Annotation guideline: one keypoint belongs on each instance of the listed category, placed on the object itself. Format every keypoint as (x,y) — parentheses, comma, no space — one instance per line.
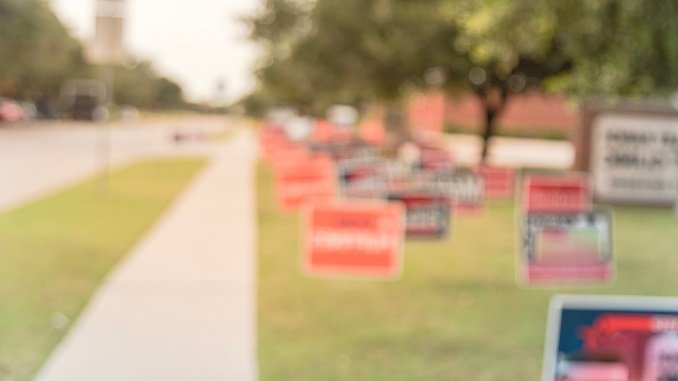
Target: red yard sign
(323,131)
(326,131)
(275,147)
(499,182)
(373,132)
(353,238)
(271,137)
(566,193)
(285,151)
(299,182)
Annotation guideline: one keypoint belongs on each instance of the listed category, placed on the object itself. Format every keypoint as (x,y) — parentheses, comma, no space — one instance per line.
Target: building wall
(528,112)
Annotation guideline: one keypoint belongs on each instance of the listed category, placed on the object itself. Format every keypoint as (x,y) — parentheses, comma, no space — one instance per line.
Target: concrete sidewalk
(513,152)
(181,306)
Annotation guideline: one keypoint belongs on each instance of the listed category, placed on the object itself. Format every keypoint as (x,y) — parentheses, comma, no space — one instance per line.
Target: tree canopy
(38,54)
(351,51)
(36,50)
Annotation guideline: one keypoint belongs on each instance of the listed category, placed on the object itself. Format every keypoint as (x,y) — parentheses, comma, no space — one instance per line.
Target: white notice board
(635,158)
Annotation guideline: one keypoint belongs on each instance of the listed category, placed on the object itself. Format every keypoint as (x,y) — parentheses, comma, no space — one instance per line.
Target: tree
(168,94)
(622,48)
(296,69)
(38,54)
(504,48)
(338,50)
(600,48)
(139,85)
(36,50)
(328,50)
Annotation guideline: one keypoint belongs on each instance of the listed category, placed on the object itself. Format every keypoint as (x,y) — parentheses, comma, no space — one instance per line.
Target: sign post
(107,49)
(108,45)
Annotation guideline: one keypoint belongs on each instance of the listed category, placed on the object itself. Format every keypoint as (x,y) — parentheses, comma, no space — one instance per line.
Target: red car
(10,111)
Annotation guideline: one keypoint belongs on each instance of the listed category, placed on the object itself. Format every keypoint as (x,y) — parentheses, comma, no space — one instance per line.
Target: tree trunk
(492,101)
(488,132)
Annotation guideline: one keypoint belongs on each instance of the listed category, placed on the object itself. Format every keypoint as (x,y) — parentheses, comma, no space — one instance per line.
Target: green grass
(537,132)
(457,313)
(54,253)
(224,135)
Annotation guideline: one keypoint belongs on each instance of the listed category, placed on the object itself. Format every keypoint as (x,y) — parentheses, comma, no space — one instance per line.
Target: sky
(195,42)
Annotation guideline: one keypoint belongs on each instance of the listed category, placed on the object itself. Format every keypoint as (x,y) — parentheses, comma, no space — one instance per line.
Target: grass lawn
(54,253)
(535,132)
(456,314)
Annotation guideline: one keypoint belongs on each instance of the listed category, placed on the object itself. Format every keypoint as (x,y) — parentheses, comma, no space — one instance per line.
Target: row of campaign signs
(358,208)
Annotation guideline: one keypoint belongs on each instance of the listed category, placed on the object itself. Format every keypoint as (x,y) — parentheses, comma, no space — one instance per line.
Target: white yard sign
(635,158)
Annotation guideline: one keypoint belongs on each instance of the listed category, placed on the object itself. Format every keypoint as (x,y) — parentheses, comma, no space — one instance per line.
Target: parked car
(81,98)
(30,110)
(10,111)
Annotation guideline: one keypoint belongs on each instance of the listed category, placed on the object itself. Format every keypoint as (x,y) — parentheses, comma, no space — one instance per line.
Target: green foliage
(356,51)
(379,50)
(337,51)
(510,131)
(36,50)
(168,94)
(634,52)
(38,54)
(344,51)
(139,85)
(55,252)
(601,48)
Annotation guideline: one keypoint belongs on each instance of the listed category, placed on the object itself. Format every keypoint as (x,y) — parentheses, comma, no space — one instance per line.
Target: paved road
(36,160)
(181,306)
